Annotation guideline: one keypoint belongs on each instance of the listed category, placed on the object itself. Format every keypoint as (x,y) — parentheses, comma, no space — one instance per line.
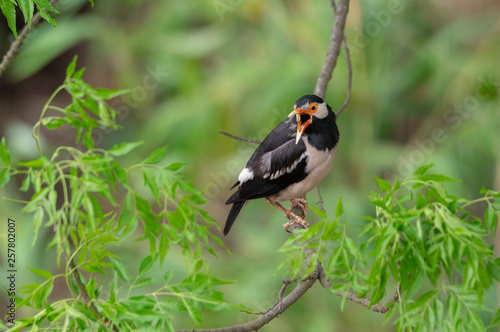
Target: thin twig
(320,200)
(238,138)
(16,45)
(378,307)
(340,15)
(323,280)
(349,77)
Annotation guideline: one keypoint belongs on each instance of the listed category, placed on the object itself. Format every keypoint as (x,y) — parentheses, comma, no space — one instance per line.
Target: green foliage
(27,8)
(423,243)
(424,235)
(91,203)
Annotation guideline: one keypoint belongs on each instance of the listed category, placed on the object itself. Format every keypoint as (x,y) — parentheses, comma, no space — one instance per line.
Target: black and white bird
(293,159)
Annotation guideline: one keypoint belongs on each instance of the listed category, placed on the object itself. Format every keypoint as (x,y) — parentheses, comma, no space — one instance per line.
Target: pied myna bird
(292,160)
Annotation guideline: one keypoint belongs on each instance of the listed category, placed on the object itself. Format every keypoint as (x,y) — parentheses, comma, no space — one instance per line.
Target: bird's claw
(295,220)
(301,203)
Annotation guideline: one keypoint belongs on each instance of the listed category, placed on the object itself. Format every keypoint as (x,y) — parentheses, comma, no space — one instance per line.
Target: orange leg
(294,218)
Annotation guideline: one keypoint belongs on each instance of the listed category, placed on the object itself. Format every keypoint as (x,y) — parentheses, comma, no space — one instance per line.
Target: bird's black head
(309,106)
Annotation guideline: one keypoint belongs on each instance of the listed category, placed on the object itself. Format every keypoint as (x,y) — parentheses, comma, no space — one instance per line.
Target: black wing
(277,163)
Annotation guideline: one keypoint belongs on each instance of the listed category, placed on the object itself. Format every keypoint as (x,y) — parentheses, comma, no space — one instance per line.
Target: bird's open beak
(300,130)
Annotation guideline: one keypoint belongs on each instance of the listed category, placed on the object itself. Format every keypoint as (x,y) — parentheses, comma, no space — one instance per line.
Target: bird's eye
(313,107)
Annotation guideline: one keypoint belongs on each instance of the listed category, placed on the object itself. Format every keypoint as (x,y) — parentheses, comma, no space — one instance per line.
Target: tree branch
(340,15)
(238,137)
(16,45)
(379,307)
(274,311)
(282,304)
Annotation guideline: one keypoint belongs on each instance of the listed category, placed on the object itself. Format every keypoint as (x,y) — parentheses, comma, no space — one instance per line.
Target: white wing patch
(288,169)
(245,175)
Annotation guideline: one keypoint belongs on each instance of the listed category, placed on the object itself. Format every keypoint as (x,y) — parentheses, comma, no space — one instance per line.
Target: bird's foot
(301,203)
(297,220)
(294,219)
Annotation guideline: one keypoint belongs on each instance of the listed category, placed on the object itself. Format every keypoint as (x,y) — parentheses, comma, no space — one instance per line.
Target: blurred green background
(425,89)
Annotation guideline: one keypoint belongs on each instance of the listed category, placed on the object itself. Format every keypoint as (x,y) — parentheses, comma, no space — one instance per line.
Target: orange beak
(300,130)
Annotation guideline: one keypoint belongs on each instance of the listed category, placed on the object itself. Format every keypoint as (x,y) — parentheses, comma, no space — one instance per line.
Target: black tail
(235,210)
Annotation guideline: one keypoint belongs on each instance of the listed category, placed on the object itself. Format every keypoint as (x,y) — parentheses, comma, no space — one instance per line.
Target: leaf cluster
(27,8)
(91,204)
(423,243)
(425,238)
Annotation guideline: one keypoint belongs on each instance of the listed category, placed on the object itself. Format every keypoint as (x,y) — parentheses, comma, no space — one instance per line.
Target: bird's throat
(301,128)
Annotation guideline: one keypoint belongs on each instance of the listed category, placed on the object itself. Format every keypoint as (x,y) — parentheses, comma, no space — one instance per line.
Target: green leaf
(121,149)
(70,70)
(26,183)
(146,264)
(383,184)
(43,294)
(4,152)
(53,122)
(353,249)
(423,169)
(163,246)
(35,163)
(37,222)
(146,214)
(41,273)
(340,208)
(9,11)
(495,321)
(193,313)
(439,309)
(90,288)
(46,4)
(72,312)
(491,219)
(83,254)
(121,175)
(121,270)
(156,156)
(143,282)
(103,113)
(109,93)
(36,200)
(79,73)
(27,7)
(320,213)
(175,166)
(87,140)
(46,16)
(4,177)
(397,185)
(113,289)
(150,180)
(437,178)
(424,298)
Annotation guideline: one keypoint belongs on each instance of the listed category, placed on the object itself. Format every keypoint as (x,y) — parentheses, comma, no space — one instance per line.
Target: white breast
(318,166)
